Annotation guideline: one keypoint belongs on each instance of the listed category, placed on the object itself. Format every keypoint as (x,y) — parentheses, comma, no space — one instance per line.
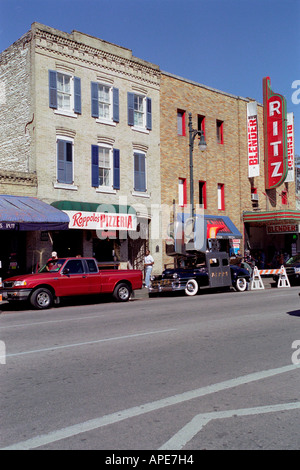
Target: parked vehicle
(67,277)
(292,269)
(209,270)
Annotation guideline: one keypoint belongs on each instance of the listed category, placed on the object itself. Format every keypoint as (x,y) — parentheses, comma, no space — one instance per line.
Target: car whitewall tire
(191,287)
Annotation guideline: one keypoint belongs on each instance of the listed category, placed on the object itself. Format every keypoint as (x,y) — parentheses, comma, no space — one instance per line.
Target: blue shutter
(52,89)
(68,163)
(139,172)
(95,166)
(64,162)
(115,104)
(94,99)
(77,95)
(116,173)
(61,169)
(149,114)
(130,104)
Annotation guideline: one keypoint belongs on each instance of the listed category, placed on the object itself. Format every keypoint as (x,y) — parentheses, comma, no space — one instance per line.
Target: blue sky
(229,45)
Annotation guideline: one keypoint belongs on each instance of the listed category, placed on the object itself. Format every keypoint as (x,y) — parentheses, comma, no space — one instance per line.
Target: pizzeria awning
(92,207)
(30,213)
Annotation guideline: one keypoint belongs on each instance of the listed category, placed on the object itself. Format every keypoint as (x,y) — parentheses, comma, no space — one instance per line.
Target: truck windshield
(52,266)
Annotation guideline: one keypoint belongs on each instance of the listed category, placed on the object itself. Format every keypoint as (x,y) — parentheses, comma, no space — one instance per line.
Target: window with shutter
(139,110)
(140,172)
(64,161)
(64,93)
(105,102)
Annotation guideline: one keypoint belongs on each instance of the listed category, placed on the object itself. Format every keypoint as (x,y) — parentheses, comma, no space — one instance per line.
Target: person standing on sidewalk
(148,264)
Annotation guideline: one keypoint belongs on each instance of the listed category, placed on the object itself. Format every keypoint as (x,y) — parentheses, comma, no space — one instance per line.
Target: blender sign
(275,136)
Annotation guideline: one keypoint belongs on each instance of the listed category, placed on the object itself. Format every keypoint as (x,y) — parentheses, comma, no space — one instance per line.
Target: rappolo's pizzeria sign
(101,221)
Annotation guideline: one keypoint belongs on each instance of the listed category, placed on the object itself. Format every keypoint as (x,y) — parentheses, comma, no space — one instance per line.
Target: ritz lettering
(275,142)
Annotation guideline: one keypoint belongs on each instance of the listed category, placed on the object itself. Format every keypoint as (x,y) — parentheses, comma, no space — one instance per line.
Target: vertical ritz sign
(275,136)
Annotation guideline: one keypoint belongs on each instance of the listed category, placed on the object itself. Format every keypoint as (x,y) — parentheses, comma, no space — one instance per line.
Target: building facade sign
(290,148)
(252,133)
(101,221)
(275,136)
(282,228)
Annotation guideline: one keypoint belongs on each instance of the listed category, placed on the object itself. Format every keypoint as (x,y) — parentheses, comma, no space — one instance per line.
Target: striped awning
(271,216)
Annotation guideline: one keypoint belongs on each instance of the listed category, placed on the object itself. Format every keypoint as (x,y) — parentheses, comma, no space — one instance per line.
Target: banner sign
(275,136)
(101,221)
(290,148)
(282,228)
(253,147)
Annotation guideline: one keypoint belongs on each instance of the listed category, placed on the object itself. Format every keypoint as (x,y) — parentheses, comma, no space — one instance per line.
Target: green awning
(92,207)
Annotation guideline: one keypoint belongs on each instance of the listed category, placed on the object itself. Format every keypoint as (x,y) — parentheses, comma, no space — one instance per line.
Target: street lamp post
(202,146)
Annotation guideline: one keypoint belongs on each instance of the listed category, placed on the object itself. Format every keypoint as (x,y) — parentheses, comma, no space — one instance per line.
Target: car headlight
(175,276)
(20,283)
(297,270)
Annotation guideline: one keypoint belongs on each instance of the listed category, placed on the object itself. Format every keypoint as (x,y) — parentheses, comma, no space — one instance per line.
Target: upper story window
(139,111)
(220,132)
(140,184)
(105,167)
(182,195)
(105,102)
(202,194)
(180,122)
(65,160)
(221,197)
(201,124)
(64,93)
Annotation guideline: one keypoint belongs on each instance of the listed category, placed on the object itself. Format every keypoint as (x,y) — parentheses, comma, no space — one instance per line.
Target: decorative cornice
(18,177)
(68,48)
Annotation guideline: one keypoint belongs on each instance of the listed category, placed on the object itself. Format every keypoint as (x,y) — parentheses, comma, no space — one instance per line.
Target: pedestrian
(52,261)
(148,264)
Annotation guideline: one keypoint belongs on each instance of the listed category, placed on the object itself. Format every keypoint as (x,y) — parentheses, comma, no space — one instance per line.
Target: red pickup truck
(67,277)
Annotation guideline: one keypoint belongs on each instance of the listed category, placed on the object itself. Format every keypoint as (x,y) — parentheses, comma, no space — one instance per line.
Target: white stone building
(80,131)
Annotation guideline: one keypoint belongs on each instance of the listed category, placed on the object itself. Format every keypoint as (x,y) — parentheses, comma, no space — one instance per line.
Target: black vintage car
(211,270)
(292,269)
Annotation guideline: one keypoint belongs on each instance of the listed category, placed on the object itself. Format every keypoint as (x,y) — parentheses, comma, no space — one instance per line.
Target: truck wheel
(122,292)
(191,287)
(241,284)
(41,298)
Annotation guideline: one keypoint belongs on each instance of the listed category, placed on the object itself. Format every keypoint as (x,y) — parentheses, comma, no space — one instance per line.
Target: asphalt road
(215,371)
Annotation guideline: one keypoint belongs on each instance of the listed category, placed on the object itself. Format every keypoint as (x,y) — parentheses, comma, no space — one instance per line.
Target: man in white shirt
(148,263)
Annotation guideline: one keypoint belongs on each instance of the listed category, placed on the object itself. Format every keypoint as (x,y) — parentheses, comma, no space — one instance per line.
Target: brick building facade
(221,182)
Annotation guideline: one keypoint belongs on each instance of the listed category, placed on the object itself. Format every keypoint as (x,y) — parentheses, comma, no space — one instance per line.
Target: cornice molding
(97,58)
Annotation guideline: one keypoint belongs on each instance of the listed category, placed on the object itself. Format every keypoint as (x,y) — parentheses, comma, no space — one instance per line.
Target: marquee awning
(265,217)
(92,207)
(30,213)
